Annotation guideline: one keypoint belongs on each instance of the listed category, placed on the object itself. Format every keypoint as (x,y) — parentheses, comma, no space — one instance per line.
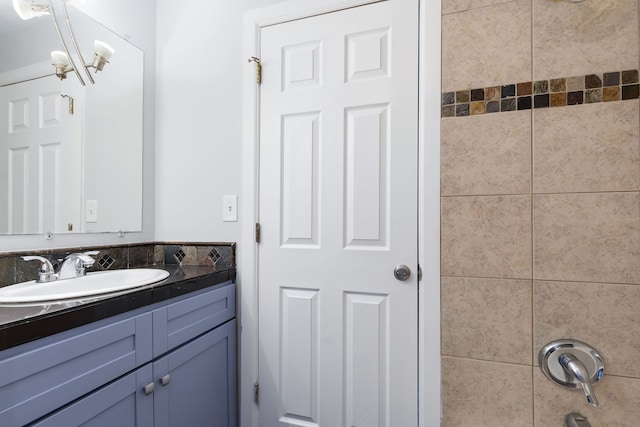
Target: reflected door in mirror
(40,157)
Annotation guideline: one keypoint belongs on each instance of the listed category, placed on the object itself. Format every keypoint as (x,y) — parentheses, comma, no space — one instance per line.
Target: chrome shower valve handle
(575,368)
(572,364)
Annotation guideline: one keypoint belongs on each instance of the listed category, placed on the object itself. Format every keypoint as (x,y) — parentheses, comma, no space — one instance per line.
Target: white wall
(137,21)
(199,115)
(30,43)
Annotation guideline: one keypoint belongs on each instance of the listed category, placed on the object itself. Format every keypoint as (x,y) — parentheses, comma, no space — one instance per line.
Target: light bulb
(102,54)
(102,49)
(59,58)
(27,9)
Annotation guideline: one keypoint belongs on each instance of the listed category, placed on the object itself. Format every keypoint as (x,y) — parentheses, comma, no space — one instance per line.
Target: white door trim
(430,411)
(429,201)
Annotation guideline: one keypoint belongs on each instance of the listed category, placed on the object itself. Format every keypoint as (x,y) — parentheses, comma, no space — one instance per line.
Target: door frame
(428,201)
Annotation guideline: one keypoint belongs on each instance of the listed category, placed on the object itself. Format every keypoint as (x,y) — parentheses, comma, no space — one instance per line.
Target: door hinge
(71,102)
(258,69)
(256,392)
(257,232)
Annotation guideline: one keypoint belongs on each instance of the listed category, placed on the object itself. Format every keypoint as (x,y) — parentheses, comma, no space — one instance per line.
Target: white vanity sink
(91,285)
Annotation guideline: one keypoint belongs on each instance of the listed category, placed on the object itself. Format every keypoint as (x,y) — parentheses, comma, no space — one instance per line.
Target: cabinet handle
(148,389)
(165,380)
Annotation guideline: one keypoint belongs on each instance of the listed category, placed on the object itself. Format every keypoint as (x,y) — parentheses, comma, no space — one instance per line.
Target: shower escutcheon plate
(549,360)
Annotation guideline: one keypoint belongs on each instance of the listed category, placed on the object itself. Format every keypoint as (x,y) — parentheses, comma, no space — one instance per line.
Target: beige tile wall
(540,215)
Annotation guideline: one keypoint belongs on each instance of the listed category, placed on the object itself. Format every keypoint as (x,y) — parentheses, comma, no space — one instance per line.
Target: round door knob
(402,272)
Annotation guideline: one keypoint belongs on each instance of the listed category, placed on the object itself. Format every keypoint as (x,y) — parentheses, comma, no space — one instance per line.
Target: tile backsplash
(201,254)
(221,255)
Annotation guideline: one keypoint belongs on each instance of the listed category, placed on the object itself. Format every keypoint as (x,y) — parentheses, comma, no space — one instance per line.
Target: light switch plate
(92,211)
(230,208)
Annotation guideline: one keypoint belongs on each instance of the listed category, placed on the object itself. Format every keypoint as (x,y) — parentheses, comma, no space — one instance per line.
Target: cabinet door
(200,382)
(122,403)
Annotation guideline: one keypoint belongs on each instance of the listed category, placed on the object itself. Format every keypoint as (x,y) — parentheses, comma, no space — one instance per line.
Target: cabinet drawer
(182,321)
(36,382)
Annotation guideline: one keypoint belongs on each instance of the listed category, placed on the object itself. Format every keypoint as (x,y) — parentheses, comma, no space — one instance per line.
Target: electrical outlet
(230,208)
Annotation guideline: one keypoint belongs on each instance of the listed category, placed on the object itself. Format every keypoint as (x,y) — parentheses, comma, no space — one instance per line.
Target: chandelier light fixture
(62,60)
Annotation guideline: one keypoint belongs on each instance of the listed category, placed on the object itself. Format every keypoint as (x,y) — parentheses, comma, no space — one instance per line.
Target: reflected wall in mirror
(70,155)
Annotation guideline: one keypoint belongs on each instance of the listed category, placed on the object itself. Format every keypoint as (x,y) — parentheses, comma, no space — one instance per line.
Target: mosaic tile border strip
(592,88)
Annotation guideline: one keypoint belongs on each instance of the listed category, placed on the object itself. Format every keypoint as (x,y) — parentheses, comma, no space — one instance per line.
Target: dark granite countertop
(20,324)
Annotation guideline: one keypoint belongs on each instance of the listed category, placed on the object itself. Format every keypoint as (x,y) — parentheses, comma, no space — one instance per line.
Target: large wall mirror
(70,154)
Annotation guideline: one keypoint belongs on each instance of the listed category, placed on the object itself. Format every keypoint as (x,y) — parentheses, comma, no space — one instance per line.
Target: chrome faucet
(74,265)
(576,369)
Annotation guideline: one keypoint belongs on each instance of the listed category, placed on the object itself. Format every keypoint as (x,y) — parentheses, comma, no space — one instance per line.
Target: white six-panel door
(40,155)
(338,211)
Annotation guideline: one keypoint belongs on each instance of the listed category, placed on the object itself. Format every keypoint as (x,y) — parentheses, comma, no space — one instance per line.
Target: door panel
(367,177)
(367,339)
(299,351)
(300,202)
(338,210)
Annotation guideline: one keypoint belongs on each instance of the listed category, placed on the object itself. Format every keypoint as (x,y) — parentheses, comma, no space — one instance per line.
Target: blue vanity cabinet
(187,377)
